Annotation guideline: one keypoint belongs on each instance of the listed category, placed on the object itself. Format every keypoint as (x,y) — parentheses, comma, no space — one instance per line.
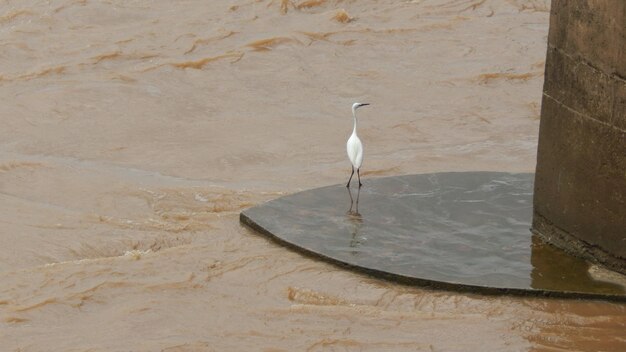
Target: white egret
(355,147)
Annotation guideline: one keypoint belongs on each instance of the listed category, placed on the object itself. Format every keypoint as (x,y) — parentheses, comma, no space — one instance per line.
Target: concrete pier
(580,185)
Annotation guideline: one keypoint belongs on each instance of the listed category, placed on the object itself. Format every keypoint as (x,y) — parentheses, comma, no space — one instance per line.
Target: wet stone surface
(463,231)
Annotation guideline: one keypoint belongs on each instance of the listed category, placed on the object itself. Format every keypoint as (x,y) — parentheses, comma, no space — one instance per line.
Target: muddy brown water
(134,132)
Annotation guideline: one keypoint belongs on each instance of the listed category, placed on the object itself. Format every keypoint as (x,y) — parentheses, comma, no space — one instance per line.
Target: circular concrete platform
(466,231)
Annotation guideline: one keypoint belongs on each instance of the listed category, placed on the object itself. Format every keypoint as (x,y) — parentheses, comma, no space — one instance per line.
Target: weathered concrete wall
(580,185)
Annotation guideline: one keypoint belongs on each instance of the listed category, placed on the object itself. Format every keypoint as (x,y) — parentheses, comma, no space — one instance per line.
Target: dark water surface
(463,230)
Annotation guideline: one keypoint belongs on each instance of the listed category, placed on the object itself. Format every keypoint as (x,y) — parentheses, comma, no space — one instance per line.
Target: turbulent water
(133,133)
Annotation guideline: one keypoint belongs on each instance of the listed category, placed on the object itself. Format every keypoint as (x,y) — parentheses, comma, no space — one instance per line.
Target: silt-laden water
(134,132)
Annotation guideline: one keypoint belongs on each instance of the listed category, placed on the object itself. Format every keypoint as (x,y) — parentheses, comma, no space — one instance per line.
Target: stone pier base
(580,184)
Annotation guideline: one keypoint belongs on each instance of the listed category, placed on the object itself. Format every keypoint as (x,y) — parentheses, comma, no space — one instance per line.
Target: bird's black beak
(365,104)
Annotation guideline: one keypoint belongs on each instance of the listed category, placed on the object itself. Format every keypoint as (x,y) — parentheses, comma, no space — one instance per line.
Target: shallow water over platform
(458,230)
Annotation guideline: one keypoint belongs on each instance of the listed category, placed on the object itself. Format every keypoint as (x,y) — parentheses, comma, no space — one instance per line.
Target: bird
(354,147)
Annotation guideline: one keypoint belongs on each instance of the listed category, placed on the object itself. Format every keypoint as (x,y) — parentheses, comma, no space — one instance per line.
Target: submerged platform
(464,231)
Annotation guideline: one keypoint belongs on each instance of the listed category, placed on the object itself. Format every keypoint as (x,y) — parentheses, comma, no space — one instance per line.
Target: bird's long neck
(354,115)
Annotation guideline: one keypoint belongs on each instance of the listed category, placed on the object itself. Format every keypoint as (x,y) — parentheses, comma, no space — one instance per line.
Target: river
(134,132)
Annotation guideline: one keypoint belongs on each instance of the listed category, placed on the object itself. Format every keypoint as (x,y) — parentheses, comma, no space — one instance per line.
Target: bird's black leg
(348,185)
(359,175)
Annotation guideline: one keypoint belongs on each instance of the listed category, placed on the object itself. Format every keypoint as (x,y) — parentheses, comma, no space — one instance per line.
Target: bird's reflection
(355,218)
(354,212)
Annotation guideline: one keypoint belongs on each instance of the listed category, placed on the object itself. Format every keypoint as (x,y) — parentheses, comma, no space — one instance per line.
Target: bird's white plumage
(354,147)
(355,150)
